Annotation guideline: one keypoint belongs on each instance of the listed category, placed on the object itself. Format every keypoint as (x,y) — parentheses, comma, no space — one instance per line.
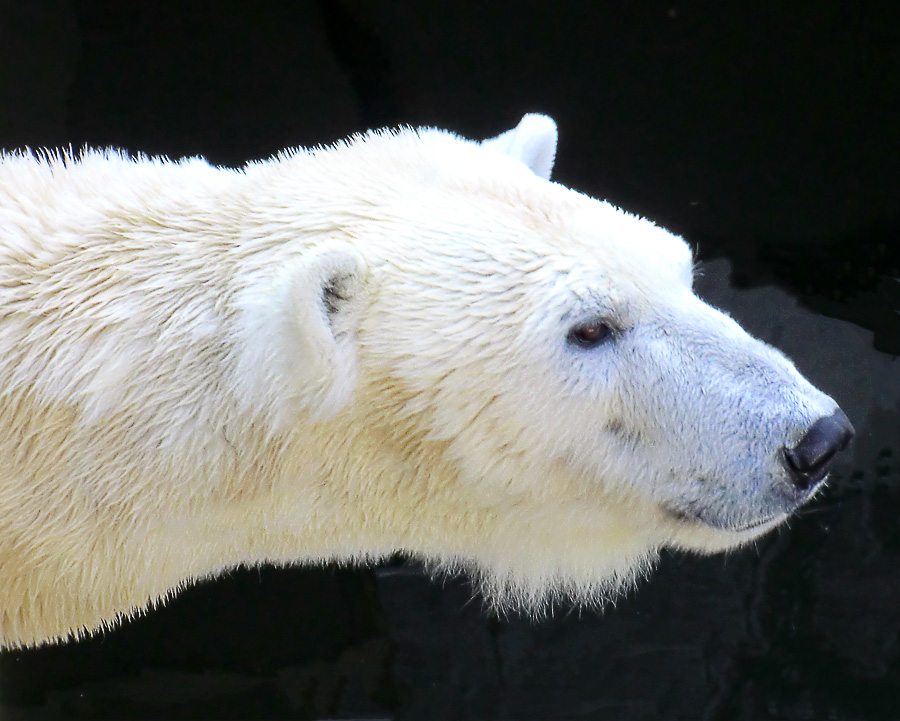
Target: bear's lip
(771,520)
(694,516)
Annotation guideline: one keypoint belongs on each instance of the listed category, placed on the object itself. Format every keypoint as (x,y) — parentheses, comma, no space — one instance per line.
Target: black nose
(810,460)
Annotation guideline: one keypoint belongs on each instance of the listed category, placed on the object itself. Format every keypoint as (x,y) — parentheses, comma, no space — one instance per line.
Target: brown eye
(589,335)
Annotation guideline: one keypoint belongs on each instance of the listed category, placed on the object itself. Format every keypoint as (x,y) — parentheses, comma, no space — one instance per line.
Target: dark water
(768,137)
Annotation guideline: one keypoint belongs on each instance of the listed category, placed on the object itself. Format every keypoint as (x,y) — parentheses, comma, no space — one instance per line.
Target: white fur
(345,353)
(289,353)
(532,141)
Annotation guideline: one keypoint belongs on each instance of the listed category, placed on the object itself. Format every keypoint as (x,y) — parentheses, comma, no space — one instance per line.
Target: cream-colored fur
(337,355)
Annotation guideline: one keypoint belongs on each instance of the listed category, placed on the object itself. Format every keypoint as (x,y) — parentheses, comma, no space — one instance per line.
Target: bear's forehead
(596,243)
(630,247)
(559,220)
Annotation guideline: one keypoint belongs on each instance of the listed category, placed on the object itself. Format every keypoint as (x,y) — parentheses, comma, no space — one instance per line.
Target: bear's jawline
(697,517)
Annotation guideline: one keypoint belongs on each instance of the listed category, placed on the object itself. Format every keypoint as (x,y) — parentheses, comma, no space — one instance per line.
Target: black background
(764,133)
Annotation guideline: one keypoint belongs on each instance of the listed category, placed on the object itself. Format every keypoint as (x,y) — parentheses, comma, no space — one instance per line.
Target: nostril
(809,461)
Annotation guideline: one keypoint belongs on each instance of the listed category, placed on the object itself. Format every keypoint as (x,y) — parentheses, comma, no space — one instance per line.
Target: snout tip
(810,460)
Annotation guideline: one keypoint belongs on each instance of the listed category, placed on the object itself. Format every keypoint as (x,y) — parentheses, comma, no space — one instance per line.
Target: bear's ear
(533,141)
(299,347)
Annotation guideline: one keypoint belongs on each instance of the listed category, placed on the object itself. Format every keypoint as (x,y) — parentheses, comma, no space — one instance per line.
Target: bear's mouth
(694,516)
(770,520)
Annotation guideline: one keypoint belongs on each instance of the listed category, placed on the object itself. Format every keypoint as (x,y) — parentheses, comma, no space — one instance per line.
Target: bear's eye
(589,335)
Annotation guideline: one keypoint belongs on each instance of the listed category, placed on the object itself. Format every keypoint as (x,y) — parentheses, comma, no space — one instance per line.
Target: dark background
(765,133)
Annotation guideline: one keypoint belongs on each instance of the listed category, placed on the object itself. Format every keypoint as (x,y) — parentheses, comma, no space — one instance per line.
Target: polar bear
(407,342)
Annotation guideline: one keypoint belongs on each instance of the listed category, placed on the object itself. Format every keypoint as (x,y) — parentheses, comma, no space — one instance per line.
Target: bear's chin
(695,534)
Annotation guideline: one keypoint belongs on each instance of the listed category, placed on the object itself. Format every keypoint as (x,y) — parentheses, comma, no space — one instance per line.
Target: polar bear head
(550,400)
